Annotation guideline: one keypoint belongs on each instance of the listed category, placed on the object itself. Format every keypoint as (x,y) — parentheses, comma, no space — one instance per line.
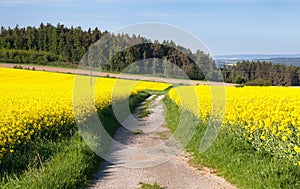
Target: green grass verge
(164,92)
(144,110)
(72,166)
(155,185)
(235,159)
(64,163)
(138,132)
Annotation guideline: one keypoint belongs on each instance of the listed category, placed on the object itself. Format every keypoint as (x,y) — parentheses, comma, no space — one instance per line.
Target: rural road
(151,155)
(116,75)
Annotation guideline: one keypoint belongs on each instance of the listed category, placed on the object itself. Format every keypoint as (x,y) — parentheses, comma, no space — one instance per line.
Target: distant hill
(285,59)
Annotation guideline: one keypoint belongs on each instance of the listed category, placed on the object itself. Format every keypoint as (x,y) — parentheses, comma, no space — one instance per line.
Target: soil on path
(149,154)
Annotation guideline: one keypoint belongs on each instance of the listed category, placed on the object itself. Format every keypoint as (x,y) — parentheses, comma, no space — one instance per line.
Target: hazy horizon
(254,54)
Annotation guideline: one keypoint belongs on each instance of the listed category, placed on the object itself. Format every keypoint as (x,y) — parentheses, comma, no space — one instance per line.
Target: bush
(24,56)
(259,82)
(17,67)
(240,80)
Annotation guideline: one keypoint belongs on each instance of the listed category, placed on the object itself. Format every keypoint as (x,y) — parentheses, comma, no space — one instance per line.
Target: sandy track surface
(152,156)
(123,75)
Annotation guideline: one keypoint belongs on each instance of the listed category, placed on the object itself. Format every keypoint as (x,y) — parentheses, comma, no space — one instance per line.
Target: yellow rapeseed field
(37,105)
(268,117)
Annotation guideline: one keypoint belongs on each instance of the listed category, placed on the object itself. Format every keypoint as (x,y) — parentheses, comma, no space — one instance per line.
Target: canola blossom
(36,105)
(267,117)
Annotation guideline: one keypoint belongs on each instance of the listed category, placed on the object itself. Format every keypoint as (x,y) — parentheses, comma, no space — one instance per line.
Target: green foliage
(144,110)
(144,113)
(155,185)
(70,165)
(262,74)
(48,44)
(259,82)
(235,159)
(239,80)
(18,67)
(240,85)
(62,43)
(163,60)
(138,131)
(24,56)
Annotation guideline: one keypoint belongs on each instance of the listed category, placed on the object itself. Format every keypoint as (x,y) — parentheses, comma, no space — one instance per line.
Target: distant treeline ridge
(54,45)
(262,73)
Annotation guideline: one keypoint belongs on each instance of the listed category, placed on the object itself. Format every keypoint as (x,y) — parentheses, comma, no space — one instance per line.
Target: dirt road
(116,75)
(151,155)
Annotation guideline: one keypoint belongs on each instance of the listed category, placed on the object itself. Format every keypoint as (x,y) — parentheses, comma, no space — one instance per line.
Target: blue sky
(225,26)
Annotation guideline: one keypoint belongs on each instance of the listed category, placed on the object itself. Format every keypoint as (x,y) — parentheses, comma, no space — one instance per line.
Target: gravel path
(151,155)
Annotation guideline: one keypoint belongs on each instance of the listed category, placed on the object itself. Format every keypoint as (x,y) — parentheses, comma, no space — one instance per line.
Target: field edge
(233,158)
(72,165)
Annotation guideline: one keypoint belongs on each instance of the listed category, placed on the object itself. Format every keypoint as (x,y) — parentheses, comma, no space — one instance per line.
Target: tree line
(261,73)
(136,54)
(50,44)
(60,42)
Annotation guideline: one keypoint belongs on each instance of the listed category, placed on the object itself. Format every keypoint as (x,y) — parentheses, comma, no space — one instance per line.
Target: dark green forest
(49,45)
(45,44)
(262,74)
